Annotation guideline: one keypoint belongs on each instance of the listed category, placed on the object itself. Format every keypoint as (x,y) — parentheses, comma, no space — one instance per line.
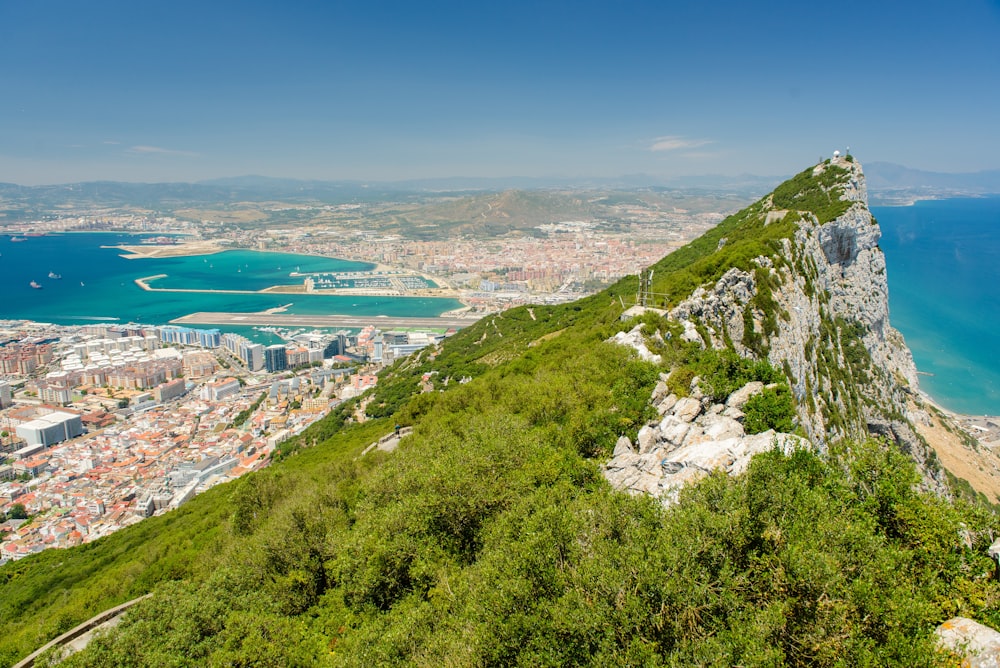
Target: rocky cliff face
(818,309)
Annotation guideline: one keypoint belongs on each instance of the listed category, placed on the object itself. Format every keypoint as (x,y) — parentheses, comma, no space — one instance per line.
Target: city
(104,425)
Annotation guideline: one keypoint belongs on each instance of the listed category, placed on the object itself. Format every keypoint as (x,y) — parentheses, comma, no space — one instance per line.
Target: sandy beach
(984,428)
(967,445)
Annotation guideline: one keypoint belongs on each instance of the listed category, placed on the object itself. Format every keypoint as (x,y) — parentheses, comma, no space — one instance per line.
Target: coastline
(194,249)
(984,428)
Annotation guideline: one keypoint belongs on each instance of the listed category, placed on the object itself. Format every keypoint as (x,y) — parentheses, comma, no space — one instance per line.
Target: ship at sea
(35,285)
(53,274)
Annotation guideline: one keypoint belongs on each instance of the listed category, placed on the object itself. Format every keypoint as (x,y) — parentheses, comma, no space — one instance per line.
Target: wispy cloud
(157,150)
(110,142)
(676,142)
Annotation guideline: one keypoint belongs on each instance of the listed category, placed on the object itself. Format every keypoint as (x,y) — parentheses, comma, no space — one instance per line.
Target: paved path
(389,442)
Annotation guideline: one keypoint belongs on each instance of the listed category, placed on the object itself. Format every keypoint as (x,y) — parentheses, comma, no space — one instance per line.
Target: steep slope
(814,301)
(490,536)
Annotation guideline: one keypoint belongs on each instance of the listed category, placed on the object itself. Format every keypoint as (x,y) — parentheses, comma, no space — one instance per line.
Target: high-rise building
(252,355)
(275,358)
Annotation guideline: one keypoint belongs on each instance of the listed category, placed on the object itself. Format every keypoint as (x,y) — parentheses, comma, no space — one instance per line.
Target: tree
(18,512)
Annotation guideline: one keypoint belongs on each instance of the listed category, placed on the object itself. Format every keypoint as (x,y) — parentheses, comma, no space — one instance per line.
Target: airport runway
(288,320)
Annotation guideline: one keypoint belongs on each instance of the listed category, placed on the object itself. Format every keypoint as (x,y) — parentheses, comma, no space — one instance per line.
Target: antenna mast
(645,297)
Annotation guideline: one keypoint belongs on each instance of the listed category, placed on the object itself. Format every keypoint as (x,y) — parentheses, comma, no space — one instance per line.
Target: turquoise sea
(943,264)
(96,284)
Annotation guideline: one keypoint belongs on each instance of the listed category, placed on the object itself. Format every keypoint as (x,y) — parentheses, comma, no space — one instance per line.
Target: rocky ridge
(827,326)
(815,307)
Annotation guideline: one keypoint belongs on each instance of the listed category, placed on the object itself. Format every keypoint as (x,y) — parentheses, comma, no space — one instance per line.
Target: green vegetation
(489,546)
(817,193)
(735,242)
(490,537)
(748,234)
(771,409)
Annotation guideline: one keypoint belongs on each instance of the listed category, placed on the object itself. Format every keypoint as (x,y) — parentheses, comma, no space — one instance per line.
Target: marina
(98,282)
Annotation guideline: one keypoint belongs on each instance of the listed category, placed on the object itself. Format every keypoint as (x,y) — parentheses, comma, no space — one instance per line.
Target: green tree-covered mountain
(492,536)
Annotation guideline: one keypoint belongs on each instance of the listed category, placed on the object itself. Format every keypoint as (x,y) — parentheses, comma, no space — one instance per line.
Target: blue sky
(181,91)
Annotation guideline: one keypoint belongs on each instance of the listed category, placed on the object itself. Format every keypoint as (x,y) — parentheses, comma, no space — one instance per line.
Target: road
(288,320)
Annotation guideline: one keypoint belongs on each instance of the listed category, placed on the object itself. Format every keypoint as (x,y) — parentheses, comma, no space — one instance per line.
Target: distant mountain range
(458,184)
(887,182)
(881,176)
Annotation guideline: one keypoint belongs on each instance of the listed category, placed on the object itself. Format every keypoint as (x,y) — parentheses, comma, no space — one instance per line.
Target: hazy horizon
(185,91)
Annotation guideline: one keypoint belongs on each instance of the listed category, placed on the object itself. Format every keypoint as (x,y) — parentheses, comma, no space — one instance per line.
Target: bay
(943,265)
(96,284)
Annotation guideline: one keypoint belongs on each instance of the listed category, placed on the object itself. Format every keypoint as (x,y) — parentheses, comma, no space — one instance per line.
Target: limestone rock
(687,409)
(666,404)
(623,447)
(977,644)
(673,430)
(646,439)
(994,550)
(719,427)
(919,416)
(832,274)
(659,392)
(734,413)
(690,332)
(635,340)
(694,436)
(739,398)
(695,388)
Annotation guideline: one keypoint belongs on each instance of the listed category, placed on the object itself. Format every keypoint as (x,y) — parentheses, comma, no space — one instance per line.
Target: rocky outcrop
(977,645)
(692,438)
(827,326)
(636,341)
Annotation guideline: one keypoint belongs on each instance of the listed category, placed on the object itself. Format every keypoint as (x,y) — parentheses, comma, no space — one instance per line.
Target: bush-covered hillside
(490,537)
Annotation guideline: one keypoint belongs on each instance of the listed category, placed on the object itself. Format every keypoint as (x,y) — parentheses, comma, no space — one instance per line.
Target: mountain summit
(798,280)
(816,304)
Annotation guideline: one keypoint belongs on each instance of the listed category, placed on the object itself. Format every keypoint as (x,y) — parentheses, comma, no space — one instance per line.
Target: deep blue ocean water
(943,264)
(97,284)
